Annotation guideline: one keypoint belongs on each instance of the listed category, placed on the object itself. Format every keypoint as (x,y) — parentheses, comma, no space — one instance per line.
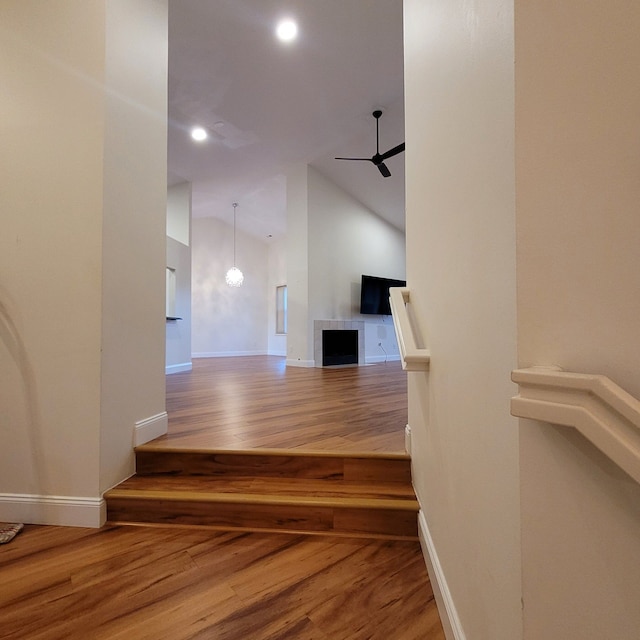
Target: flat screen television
(374,295)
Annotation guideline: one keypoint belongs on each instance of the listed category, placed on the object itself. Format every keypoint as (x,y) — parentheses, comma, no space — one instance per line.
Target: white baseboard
(177,368)
(446,607)
(301,363)
(376,359)
(63,511)
(150,428)
(227,354)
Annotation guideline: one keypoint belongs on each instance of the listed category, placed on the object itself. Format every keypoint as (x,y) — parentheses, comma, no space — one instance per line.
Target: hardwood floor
(235,424)
(152,583)
(184,582)
(257,402)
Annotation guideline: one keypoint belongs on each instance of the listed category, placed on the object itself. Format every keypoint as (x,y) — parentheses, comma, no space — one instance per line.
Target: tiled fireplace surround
(336,325)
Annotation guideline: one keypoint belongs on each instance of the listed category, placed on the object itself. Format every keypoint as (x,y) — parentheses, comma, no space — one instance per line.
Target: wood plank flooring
(257,402)
(237,423)
(146,583)
(192,583)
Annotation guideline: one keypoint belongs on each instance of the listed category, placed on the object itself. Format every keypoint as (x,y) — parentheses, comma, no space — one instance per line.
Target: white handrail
(414,358)
(598,408)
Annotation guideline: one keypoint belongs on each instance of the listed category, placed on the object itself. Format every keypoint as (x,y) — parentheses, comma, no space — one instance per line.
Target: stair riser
(273,466)
(328,520)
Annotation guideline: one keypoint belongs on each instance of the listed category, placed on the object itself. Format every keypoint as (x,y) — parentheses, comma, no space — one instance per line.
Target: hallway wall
(460,191)
(510,508)
(81,249)
(578,222)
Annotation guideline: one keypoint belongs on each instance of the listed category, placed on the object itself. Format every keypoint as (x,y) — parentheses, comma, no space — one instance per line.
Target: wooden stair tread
(298,487)
(317,493)
(158,447)
(261,498)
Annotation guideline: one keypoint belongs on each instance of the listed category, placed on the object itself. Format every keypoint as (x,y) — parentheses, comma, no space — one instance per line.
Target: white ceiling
(268,105)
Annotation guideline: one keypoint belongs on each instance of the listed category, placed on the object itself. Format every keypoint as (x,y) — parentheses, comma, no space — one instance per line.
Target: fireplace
(338,354)
(339,346)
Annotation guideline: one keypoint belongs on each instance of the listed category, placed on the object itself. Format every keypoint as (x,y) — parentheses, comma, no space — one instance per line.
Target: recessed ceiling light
(287,30)
(199,134)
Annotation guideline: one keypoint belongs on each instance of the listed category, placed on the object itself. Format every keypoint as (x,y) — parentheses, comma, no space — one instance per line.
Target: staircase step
(364,495)
(271,486)
(368,517)
(365,467)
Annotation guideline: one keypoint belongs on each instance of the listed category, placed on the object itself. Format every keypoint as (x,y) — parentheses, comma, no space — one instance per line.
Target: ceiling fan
(379,158)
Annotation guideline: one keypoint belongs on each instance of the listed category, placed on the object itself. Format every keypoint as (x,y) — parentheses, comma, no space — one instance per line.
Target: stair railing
(414,357)
(599,409)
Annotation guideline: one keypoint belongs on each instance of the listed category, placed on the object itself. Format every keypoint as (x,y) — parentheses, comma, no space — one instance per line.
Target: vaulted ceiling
(267,105)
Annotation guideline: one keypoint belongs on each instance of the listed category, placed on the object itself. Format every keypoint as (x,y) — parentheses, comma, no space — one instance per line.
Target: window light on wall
(281,309)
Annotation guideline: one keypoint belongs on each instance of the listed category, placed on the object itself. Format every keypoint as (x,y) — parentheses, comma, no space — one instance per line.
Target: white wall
(277,256)
(347,240)
(331,241)
(577,230)
(341,240)
(80,251)
(226,320)
(578,168)
(50,249)
(134,223)
(300,334)
(460,195)
(178,332)
(179,212)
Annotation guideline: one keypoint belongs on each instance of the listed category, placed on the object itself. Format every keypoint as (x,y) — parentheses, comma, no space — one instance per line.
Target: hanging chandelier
(234,276)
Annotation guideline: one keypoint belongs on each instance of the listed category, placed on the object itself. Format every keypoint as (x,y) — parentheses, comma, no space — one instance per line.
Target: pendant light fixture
(234,276)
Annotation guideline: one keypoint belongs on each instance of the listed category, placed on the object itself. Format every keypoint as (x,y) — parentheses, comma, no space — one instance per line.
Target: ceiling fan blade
(384,170)
(378,159)
(393,152)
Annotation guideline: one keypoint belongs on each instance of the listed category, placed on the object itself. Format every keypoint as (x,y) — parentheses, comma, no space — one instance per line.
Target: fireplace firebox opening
(339,347)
